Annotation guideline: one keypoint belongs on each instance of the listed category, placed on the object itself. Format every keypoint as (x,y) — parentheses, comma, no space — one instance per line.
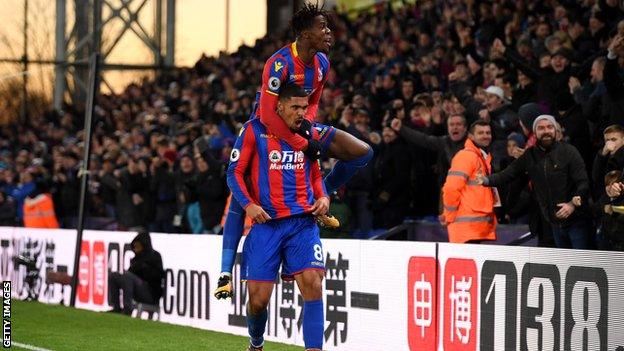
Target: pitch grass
(62,328)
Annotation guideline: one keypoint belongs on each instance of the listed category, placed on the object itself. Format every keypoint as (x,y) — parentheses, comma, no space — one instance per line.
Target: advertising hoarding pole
(83,172)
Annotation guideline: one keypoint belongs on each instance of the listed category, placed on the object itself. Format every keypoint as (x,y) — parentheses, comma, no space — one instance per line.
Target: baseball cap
(493,89)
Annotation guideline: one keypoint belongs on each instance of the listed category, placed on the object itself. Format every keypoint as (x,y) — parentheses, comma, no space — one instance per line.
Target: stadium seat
(141,307)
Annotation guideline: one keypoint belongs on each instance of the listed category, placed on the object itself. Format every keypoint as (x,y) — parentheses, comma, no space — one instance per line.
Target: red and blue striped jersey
(285,66)
(282,181)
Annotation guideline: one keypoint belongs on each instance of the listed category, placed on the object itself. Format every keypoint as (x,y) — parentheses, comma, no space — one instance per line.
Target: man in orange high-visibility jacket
(468,206)
(39,211)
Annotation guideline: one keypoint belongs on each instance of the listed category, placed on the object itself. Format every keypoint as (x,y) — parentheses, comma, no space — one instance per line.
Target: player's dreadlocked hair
(304,18)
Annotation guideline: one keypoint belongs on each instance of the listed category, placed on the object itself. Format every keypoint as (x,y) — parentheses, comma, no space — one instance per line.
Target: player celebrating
(285,192)
(303,63)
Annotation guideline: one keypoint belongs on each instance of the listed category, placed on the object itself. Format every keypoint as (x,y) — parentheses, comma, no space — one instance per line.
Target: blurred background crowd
(160,148)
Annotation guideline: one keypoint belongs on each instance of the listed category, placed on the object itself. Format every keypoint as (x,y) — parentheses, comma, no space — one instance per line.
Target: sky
(200,28)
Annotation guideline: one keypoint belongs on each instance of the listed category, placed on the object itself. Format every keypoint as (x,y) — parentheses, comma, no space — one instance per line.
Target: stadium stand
(160,147)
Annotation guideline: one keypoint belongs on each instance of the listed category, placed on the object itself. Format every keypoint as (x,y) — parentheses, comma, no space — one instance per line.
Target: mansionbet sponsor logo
(492,315)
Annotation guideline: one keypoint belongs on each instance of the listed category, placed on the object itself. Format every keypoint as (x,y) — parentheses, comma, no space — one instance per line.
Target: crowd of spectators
(161,146)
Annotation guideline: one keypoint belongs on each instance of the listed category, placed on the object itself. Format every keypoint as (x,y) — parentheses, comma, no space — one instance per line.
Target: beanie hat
(549,118)
(518,138)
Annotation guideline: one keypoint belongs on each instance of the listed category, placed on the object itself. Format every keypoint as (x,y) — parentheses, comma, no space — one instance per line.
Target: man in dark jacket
(446,146)
(68,185)
(7,210)
(392,180)
(559,180)
(162,185)
(142,282)
(609,158)
(360,187)
(593,98)
(613,81)
(131,186)
(212,190)
(575,128)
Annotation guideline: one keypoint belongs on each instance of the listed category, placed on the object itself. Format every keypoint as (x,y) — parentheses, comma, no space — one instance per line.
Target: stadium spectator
(612,221)
(446,146)
(68,189)
(574,126)
(391,179)
(528,113)
(39,209)
(131,187)
(211,191)
(19,190)
(558,174)
(7,211)
(106,189)
(186,190)
(142,282)
(609,158)
(614,86)
(591,96)
(469,208)
(162,186)
(360,187)
(515,196)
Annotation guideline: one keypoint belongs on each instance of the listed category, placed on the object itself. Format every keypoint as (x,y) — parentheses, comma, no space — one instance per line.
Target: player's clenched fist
(256,213)
(321,206)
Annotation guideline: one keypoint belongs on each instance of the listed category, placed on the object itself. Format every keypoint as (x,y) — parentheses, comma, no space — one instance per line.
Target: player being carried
(284,194)
(305,64)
